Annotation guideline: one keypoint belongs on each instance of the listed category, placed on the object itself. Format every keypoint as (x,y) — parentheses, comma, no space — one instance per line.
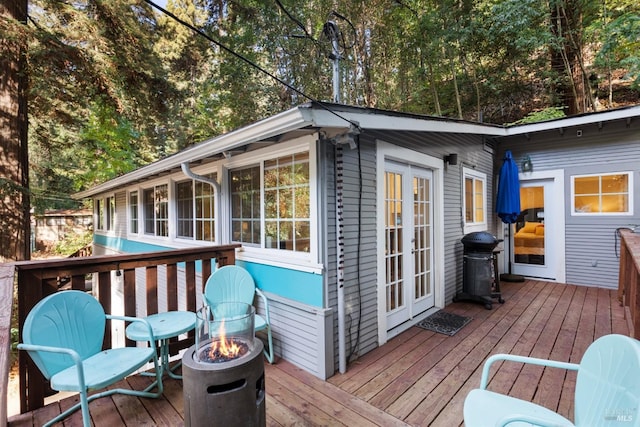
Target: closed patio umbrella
(508,203)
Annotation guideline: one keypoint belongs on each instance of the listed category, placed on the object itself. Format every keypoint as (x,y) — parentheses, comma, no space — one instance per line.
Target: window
(474,202)
(605,194)
(110,206)
(205,210)
(286,193)
(99,213)
(156,210)
(245,205)
(133,212)
(184,209)
(195,206)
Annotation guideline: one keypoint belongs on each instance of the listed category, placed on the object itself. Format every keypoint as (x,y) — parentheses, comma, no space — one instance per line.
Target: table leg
(163,362)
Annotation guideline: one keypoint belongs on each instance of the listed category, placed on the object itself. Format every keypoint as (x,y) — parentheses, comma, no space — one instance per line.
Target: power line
(248,61)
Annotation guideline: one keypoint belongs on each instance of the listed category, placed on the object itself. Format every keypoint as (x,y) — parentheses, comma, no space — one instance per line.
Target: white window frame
(98,213)
(274,256)
(110,213)
(630,192)
(138,194)
(473,226)
(167,220)
(195,220)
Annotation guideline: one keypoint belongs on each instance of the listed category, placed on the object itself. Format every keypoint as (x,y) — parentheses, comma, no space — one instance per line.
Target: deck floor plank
(419,377)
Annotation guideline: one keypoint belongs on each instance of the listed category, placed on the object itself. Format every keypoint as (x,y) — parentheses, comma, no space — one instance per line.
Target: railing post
(30,377)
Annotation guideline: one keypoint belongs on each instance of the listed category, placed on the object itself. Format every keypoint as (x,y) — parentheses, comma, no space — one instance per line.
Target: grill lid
(480,240)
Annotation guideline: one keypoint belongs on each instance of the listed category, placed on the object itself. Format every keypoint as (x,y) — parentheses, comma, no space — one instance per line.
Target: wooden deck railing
(629,279)
(37,279)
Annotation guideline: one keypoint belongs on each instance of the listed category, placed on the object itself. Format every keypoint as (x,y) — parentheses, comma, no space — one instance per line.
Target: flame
(224,347)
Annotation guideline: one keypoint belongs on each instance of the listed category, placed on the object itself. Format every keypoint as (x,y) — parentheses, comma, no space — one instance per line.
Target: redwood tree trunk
(14,159)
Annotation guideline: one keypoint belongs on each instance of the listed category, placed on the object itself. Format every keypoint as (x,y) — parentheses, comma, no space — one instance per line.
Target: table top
(165,325)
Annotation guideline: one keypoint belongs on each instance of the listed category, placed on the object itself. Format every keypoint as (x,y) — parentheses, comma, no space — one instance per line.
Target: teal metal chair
(232,283)
(607,390)
(63,335)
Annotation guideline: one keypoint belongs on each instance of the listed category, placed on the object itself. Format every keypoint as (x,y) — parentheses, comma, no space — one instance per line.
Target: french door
(408,231)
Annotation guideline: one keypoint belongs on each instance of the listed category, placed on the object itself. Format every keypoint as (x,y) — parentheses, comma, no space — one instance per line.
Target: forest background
(113,85)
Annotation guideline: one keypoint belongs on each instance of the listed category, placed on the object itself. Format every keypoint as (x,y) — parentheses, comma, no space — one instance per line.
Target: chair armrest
(504,422)
(70,352)
(522,359)
(152,339)
(266,305)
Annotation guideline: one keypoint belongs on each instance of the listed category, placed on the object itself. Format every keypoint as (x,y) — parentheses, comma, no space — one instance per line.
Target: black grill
(479,270)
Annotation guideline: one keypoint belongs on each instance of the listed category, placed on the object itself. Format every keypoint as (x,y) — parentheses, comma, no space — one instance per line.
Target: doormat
(444,323)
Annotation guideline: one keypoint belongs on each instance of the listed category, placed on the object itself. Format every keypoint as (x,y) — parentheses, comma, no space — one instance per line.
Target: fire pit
(223,373)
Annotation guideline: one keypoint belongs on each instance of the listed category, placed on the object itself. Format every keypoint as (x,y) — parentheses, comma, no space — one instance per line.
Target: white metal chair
(607,390)
(232,283)
(63,334)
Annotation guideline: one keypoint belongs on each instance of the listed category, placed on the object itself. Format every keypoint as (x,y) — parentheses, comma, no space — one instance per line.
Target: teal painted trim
(307,288)
(131,247)
(127,246)
(296,285)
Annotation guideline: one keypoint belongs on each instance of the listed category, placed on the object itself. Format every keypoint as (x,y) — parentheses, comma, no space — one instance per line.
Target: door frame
(387,151)
(558,239)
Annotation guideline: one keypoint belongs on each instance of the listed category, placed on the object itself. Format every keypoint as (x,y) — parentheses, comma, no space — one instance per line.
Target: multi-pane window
(184,209)
(133,212)
(110,210)
(286,196)
(205,211)
(602,194)
(195,206)
(99,213)
(475,195)
(155,204)
(286,203)
(245,205)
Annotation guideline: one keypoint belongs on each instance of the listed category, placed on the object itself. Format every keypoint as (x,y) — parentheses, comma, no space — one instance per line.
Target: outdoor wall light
(451,159)
(527,166)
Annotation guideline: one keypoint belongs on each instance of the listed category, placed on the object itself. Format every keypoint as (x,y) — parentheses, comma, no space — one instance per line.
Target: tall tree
(14,163)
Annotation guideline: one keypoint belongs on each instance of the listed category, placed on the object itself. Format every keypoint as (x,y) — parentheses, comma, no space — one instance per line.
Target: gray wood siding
(471,154)
(361,262)
(590,254)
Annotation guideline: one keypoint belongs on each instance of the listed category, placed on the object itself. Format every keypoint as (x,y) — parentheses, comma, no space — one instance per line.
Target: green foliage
(109,142)
(550,113)
(115,84)
(72,242)
(621,48)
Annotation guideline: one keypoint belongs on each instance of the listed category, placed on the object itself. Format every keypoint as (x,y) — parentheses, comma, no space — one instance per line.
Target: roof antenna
(330,30)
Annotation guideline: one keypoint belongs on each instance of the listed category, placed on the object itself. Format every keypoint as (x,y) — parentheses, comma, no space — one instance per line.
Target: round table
(165,326)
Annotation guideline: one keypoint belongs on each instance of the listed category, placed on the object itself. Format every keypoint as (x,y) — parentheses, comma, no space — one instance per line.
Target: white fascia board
(293,119)
(323,118)
(589,118)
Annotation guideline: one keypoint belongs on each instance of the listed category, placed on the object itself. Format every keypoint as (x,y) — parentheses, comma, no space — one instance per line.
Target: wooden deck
(418,378)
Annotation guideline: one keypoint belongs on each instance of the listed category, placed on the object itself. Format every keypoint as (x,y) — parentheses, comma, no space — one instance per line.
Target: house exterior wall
(360,215)
(591,242)
(301,319)
(473,152)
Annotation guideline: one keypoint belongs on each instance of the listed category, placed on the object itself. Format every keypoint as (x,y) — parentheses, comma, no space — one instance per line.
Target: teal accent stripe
(295,285)
(127,246)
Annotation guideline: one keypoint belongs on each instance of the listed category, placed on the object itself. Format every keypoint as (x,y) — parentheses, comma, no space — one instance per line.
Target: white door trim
(387,151)
(557,198)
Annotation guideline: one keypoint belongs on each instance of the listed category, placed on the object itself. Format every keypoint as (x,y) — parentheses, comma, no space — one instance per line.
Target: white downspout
(188,172)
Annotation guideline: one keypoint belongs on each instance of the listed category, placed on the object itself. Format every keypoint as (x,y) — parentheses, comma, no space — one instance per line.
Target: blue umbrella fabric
(508,198)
